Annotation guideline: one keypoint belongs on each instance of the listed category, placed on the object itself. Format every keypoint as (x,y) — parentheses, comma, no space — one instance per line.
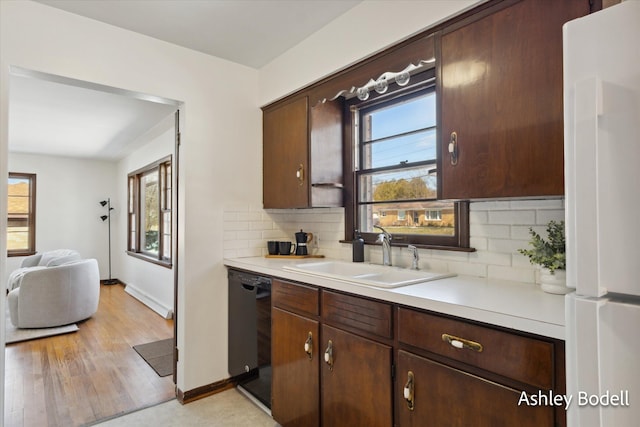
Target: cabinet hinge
(175,353)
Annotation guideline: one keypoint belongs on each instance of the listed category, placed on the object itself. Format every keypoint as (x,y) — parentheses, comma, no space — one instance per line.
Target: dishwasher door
(249,330)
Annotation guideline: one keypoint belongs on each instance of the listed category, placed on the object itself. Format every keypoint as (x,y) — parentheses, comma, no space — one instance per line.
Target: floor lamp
(107,218)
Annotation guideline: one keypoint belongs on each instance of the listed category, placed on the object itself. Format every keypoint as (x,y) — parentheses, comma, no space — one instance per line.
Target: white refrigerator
(602,209)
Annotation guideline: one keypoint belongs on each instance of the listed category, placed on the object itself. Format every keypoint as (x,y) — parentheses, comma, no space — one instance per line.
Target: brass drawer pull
(408,391)
(308,346)
(453,148)
(328,355)
(458,342)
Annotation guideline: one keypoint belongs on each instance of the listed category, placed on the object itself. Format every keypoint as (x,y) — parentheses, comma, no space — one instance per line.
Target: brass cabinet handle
(308,346)
(300,174)
(409,394)
(458,342)
(453,148)
(328,355)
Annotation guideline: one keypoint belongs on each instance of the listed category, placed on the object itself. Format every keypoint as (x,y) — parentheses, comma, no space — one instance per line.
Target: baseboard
(149,301)
(204,391)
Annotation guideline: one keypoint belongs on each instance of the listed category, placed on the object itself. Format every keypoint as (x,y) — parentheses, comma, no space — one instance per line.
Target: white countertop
(518,306)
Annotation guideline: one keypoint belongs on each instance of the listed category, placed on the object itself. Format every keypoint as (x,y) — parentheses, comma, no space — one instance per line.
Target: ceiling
(56,116)
(249,32)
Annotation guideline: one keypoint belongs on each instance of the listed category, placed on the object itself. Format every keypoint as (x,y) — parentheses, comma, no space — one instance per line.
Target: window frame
(424,81)
(31,215)
(134,209)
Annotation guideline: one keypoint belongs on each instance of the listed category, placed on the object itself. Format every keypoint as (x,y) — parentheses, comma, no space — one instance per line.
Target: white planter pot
(553,283)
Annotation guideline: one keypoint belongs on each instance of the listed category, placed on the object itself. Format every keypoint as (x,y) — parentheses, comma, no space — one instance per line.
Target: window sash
(21,215)
(152,243)
(360,198)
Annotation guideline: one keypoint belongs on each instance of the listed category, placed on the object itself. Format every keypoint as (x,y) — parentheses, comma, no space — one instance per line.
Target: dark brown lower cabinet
(356,381)
(439,395)
(296,371)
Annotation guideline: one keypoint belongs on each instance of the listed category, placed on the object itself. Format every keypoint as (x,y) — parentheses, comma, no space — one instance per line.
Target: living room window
(21,209)
(149,212)
(395,170)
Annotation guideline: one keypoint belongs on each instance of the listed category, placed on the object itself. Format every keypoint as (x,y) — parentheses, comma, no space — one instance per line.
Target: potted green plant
(550,256)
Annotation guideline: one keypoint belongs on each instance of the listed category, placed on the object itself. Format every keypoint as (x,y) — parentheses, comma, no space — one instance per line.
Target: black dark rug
(158,354)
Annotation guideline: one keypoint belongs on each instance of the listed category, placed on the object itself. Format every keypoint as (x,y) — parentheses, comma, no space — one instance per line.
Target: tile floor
(226,409)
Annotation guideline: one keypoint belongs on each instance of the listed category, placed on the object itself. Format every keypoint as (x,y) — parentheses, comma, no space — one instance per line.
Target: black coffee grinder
(302,239)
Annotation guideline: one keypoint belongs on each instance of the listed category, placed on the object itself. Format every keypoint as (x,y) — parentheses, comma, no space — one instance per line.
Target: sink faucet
(416,258)
(385,238)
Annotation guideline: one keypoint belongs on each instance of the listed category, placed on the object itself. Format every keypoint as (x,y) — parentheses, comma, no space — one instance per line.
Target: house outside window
(395,164)
(21,209)
(433,215)
(149,212)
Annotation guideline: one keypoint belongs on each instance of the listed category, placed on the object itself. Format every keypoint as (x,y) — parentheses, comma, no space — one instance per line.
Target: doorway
(45,97)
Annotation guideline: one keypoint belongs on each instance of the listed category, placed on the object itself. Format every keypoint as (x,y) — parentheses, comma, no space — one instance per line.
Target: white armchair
(55,296)
(39,261)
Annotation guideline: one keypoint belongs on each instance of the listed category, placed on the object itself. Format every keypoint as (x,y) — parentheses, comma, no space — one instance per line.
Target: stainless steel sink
(367,274)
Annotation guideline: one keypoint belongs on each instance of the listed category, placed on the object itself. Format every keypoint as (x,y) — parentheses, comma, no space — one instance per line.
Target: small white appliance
(602,206)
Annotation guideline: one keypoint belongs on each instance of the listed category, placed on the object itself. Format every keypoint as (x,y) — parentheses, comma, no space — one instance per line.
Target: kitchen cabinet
(499,80)
(357,373)
(343,359)
(302,154)
(457,373)
(296,380)
(295,360)
(442,395)
(343,375)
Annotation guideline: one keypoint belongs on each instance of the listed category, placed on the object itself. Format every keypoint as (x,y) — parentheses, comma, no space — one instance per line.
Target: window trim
(460,240)
(134,209)
(31,219)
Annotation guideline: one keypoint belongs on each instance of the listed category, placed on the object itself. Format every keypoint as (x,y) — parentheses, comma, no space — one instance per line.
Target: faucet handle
(416,257)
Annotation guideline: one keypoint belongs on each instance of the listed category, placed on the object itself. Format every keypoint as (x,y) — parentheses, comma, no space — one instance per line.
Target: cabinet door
(443,396)
(501,93)
(356,381)
(285,155)
(295,387)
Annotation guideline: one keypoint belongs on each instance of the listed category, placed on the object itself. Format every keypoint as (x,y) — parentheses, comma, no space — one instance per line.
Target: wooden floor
(89,375)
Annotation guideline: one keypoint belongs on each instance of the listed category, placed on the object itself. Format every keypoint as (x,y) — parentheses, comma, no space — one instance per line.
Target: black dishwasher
(250,333)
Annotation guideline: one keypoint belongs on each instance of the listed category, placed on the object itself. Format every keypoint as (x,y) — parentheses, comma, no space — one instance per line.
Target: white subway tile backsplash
(511,217)
(537,204)
(489,206)
(498,229)
(505,245)
(478,217)
(544,216)
(479,243)
(487,230)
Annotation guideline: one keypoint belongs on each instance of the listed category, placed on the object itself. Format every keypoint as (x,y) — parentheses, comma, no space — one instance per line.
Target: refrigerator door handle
(585,258)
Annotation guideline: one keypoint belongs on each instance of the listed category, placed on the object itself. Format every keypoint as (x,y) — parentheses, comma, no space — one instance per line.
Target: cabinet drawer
(523,359)
(357,314)
(300,299)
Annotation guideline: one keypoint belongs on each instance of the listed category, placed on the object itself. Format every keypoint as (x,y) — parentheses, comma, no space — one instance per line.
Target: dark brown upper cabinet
(302,154)
(500,85)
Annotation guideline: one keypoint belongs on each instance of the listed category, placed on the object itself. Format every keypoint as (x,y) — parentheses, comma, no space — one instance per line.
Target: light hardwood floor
(93,374)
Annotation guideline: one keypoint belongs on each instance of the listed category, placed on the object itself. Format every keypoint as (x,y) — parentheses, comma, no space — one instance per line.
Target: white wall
(151,283)
(68,192)
(220,155)
(363,30)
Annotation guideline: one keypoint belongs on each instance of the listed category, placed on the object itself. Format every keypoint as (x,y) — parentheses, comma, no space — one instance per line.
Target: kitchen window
(21,209)
(149,212)
(395,170)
